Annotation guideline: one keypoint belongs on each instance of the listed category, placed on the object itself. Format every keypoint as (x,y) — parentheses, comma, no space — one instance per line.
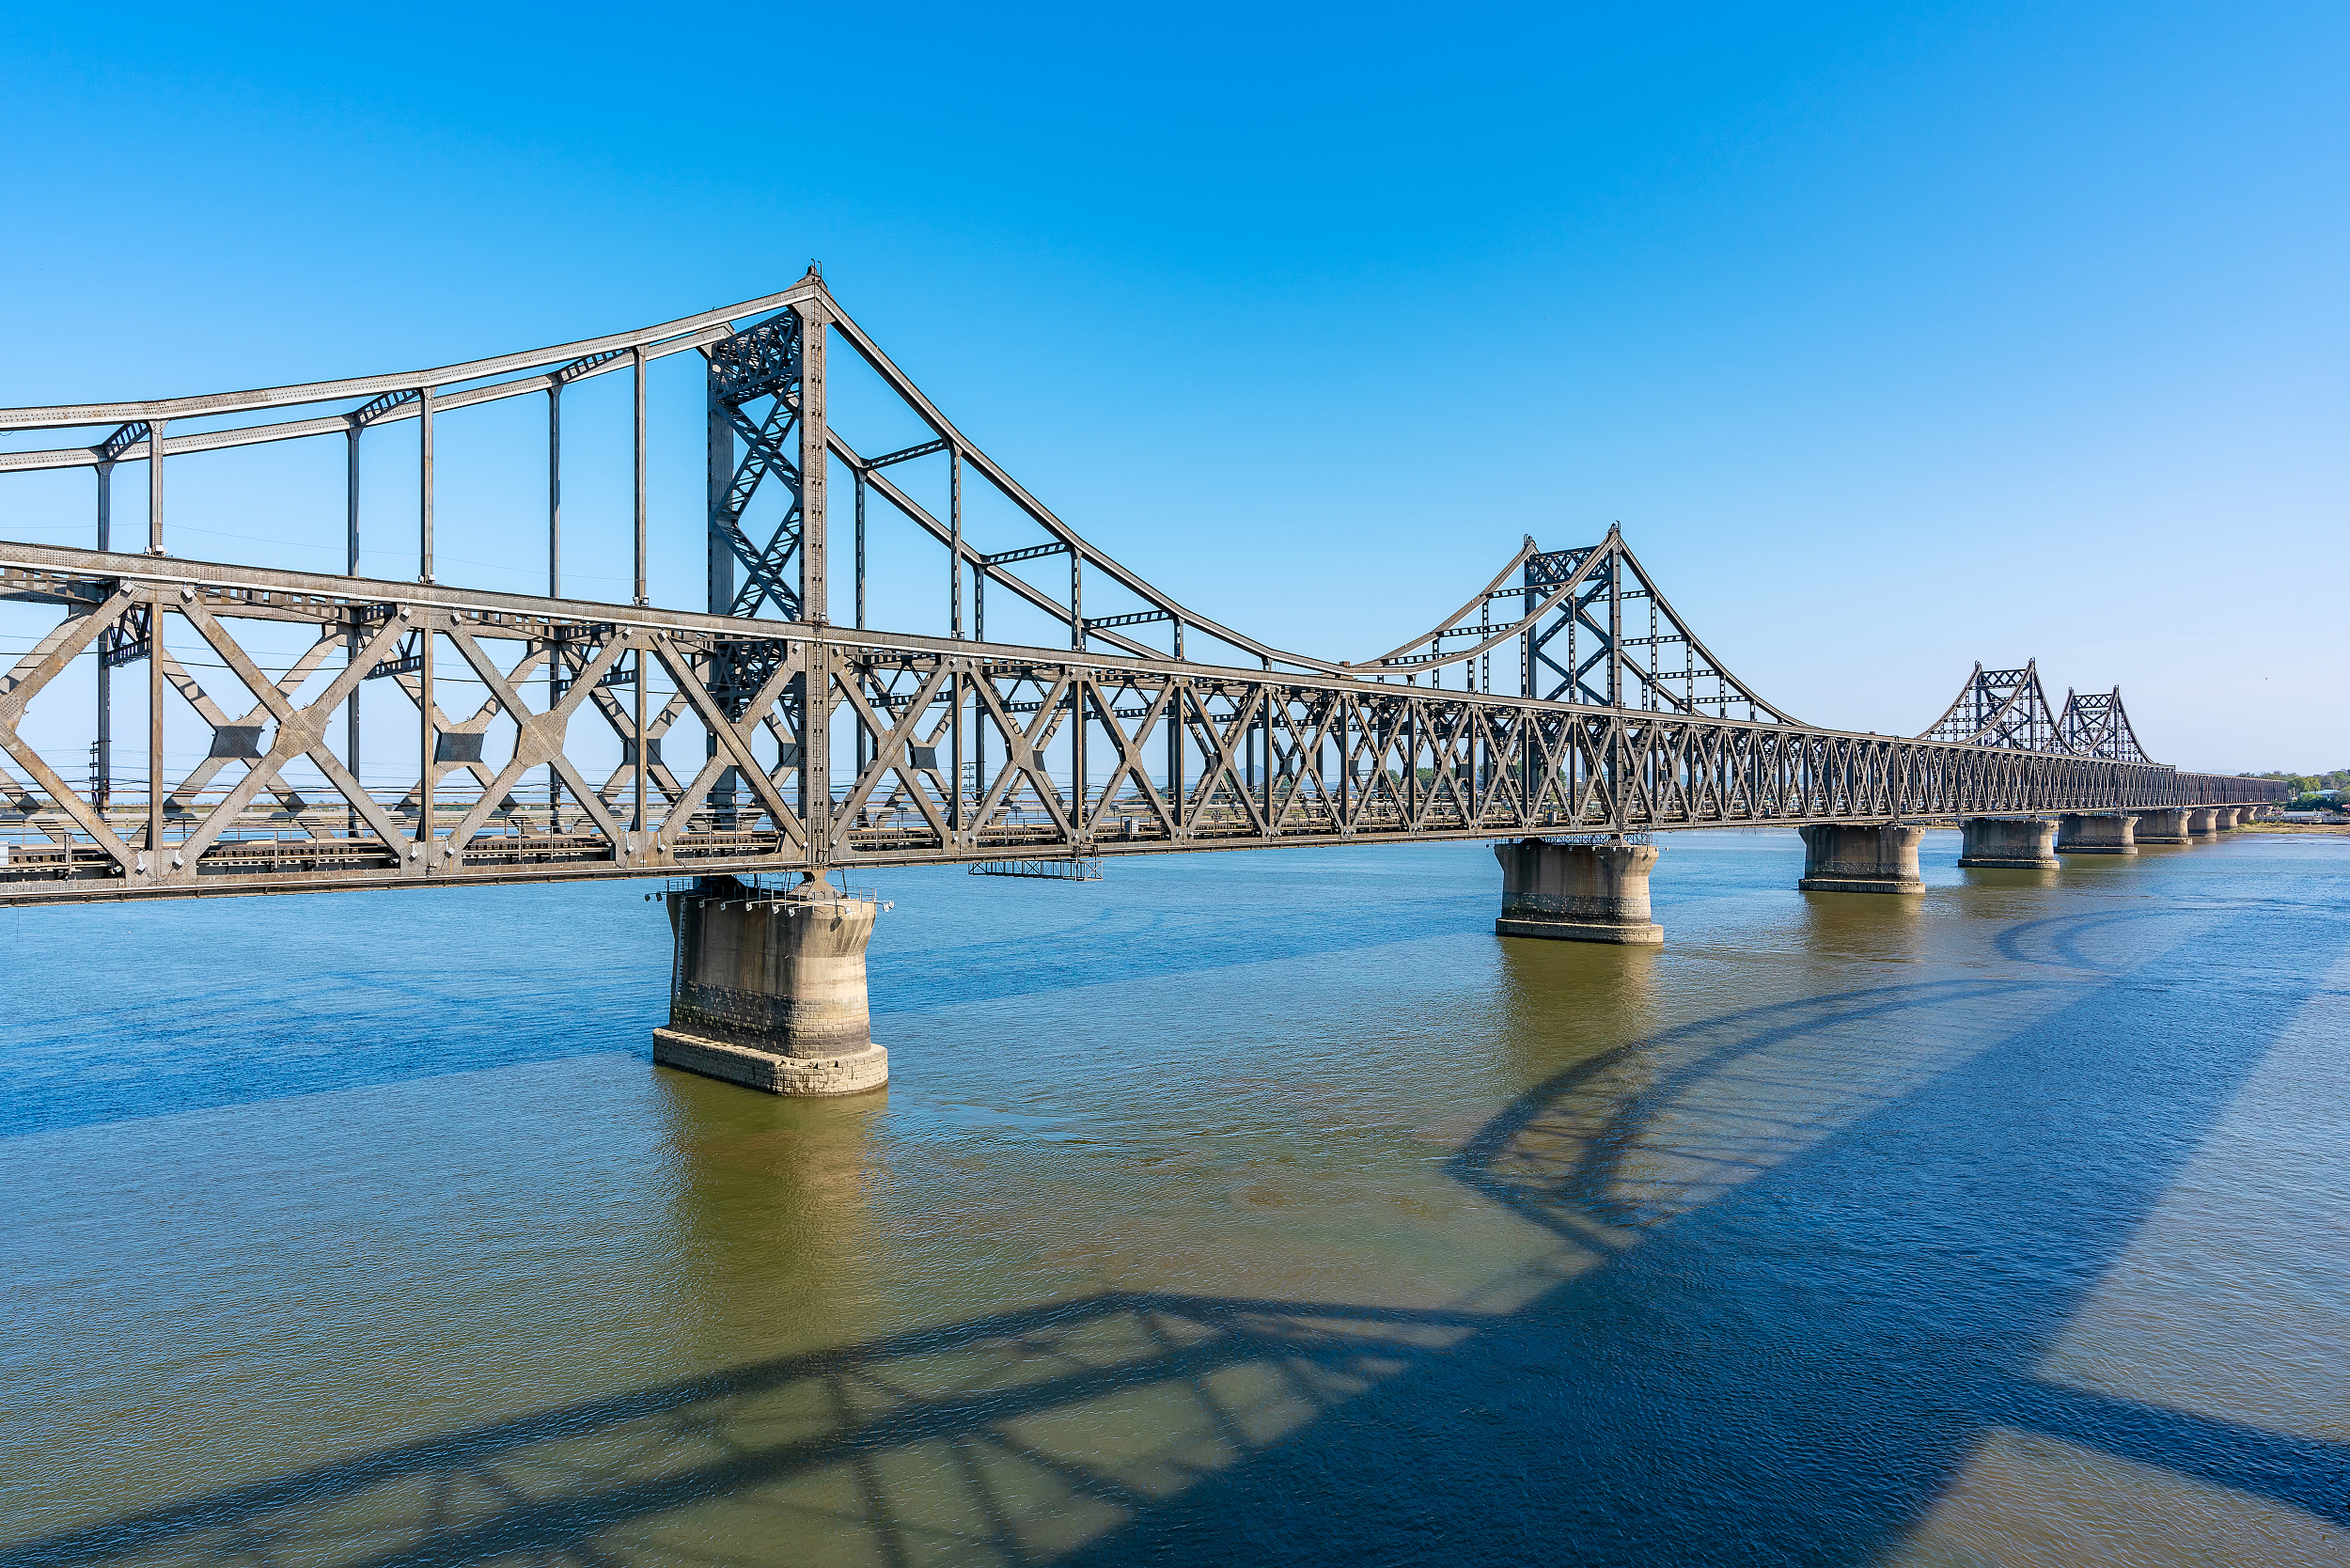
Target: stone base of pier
(2162,826)
(1842,859)
(2224,818)
(2199,823)
(778,1074)
(770,988)
(1578,892)
(2017,843)
(2101,833)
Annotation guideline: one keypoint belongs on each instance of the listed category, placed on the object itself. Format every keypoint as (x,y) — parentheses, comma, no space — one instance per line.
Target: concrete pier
(1578,892)
(2199,823)
(2223,818)
(769,989)
(2164,826)
(1842,859)
(2022,843)
(2097,833)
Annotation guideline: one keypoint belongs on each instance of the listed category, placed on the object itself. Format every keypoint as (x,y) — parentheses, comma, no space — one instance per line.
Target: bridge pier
(2023,844)
(2199,823)
(1839,857)
(769,989)
(1578,892)
(2098,833)
(2223,818)
(2163,826)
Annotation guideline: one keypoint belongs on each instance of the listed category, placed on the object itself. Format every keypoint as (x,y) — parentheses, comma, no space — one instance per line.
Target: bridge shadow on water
(1784,1310)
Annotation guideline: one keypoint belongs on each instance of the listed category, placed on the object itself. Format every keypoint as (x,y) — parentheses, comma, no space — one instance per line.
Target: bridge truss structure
(549,737)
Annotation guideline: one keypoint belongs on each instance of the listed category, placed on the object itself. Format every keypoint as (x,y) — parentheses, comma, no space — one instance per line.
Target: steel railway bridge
(512,737)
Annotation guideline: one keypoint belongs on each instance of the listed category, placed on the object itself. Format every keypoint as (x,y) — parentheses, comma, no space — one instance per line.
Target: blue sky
(1895,337)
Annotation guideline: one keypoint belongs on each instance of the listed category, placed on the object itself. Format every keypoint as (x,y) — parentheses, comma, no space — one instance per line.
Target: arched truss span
(2008,708)
(1590,626)
(2094,724)
(753,351)
(1999,707)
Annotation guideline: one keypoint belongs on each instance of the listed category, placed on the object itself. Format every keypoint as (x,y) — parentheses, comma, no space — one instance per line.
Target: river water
(1237,1209)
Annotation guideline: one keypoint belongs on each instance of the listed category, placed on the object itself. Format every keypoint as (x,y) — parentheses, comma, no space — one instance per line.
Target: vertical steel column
(103,762)
(554,490)
(555,577)
(424,556)
(351,501)
(956,819)
(816,688)
(1526,641)
(155,731)
(1077,754)
(1264,711)
(1175,741)
(643,678)
(856,477)
(639,399)
(859,479)
(1341,800)
(428,742)
(356,640)
(635,817)
(954,542)
(1615,632)
(719,598)
(155,487)
(719,565)
(1483,632)
(424,484)
(978,744)
(1076,600)
(1528,762)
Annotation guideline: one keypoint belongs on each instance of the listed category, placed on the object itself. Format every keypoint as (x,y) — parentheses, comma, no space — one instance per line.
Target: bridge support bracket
(1578,892)
(768,989)
(1840,857)
(2163,826)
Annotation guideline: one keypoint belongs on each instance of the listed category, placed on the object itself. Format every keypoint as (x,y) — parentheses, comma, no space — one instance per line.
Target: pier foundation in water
(768,989)
(1840,858)
(2022,843)
(1578,892)
(2163,826)
(2098,833)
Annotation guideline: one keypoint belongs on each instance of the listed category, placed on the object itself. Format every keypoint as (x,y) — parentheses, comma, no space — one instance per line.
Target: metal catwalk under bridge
(548,737)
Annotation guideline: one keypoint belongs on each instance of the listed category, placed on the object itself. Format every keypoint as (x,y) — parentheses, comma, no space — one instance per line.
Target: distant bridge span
(351,732)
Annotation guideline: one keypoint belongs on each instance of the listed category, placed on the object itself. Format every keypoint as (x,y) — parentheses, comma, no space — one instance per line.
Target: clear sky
(1896,337)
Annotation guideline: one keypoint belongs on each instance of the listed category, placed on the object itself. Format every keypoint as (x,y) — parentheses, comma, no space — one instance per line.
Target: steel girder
(971,751)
